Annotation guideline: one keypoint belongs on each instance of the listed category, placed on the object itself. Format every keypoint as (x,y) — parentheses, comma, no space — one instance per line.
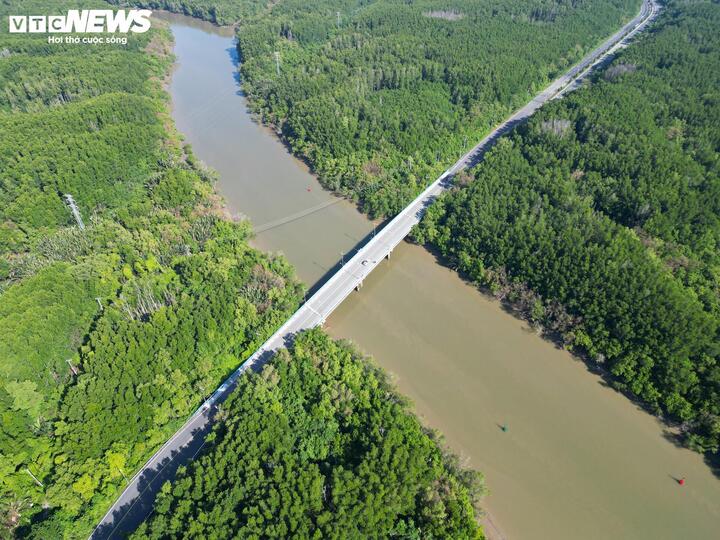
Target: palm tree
(11,510)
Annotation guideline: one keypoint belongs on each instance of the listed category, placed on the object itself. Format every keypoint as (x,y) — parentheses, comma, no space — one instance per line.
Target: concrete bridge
(135,503)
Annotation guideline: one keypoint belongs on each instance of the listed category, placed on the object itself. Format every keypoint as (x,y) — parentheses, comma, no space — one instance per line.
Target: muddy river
(578,460)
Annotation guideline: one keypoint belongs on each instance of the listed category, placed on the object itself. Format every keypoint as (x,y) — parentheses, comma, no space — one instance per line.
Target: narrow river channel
(579,461)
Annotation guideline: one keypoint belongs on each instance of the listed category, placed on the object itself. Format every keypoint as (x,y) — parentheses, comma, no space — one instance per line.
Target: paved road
(135,503)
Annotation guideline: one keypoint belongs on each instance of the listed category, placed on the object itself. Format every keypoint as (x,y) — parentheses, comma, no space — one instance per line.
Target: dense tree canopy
(318,445)
(599,218)
(110,336)
(381,96)
(223,12)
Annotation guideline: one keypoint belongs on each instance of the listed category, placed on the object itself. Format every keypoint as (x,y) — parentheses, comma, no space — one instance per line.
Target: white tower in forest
(74,209)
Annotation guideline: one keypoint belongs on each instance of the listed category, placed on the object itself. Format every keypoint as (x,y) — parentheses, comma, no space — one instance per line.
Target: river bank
(578,460)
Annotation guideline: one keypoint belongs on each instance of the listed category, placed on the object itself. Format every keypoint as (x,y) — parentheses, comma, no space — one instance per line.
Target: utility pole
(99,301)
(72,368)
(74,209)
(38,482)
(277,62)
(338,18)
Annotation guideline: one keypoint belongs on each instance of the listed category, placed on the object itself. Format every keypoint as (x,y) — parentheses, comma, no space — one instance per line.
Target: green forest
(111,334)
(598,220)
(222,12)
(114,332)
(318,445)
(381,96)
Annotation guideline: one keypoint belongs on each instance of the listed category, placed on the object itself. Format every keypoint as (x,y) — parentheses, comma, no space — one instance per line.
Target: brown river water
(578,461)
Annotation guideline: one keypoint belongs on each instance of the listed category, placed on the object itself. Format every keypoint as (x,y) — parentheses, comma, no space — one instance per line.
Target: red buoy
(681,481)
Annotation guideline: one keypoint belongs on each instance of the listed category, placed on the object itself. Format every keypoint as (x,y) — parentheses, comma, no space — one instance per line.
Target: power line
(295,216)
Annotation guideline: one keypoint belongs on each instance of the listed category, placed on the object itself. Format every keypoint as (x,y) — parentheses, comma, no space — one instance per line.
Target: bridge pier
(388,255)
(358,286)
